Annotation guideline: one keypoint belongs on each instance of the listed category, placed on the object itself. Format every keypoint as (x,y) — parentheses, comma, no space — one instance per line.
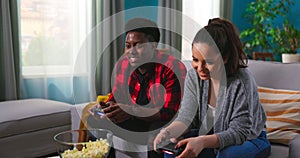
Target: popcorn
(92,149)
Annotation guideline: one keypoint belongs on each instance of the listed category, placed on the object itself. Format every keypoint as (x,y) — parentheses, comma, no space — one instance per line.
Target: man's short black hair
(145,26)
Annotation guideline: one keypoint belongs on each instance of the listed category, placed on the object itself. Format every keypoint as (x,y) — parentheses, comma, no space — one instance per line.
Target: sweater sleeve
(173,84)
(238,117)
(189,103)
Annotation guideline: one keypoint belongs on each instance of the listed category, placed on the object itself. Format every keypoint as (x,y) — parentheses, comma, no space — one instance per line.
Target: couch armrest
(76,115)
(294,147)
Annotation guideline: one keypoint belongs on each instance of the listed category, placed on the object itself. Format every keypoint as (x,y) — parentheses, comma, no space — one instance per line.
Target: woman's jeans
(256,148)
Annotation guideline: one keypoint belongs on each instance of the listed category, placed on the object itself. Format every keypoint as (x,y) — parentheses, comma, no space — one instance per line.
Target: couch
(279,76)
(27,127)
(267,74)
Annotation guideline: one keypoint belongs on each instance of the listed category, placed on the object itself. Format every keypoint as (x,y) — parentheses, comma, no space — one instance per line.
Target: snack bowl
(91,143)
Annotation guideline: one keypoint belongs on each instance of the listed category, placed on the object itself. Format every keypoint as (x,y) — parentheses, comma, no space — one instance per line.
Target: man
(147,89)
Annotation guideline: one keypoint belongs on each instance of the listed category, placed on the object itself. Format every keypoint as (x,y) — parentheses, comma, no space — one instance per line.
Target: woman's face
(206,61)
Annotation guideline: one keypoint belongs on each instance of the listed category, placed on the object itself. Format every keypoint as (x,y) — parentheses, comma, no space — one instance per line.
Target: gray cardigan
(239,114)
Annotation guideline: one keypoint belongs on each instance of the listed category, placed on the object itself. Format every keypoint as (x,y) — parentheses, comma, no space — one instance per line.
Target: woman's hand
(99,107)
(164,134)
(193,147)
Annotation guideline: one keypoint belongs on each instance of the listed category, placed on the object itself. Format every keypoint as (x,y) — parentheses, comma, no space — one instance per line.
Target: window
(52,32)
(196,15)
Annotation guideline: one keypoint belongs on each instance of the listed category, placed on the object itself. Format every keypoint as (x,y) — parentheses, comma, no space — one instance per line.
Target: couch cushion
(283,113)
(279,151)
(271,74)
(294,147)
(275,74)
(21,116)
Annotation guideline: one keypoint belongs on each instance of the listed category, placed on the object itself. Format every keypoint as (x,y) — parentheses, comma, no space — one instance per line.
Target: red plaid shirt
(165,81)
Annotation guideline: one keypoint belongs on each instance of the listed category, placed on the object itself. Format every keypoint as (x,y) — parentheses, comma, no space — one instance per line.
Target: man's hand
(116,114)
(99,108)
(91,111)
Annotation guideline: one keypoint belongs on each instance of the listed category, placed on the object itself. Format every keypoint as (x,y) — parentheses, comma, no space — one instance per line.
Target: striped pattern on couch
(283,113)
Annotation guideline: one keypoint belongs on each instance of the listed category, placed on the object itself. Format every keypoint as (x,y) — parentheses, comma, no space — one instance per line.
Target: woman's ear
(225,59)
(154,45)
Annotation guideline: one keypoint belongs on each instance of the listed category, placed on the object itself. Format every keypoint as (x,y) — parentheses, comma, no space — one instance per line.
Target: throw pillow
(283,113)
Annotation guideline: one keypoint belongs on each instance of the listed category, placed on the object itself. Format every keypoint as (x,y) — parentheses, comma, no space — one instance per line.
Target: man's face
(138,49)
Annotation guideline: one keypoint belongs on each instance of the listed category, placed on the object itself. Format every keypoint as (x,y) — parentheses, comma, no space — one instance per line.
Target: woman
(222,96)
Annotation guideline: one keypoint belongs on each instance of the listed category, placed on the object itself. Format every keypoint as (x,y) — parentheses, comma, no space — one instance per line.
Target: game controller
(99,111)
(170,148)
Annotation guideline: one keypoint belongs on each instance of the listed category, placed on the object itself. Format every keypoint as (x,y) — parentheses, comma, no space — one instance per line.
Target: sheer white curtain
(60,48)
(196,15)
(52,34)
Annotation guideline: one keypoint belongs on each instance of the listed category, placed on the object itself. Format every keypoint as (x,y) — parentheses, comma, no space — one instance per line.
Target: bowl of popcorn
(92,143)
